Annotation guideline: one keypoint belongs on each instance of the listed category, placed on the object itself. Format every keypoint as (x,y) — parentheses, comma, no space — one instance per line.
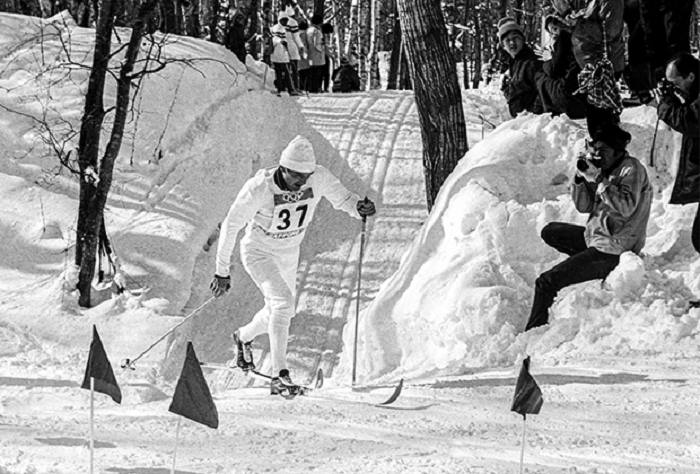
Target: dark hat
(612,135)
(506,25)
(553,19)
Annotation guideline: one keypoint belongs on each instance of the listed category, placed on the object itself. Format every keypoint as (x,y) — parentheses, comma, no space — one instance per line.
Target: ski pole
(653,143)
(357,305)
(129,363)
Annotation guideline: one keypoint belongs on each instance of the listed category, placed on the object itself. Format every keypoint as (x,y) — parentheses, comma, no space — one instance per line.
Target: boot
(282,384)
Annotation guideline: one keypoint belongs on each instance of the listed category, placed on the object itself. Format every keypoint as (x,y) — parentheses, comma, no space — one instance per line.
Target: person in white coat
(276,207)
(280,56)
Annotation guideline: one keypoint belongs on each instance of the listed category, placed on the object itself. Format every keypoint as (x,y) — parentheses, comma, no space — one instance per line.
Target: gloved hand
(284,43)
(220,285)
(366,208)
(591,174)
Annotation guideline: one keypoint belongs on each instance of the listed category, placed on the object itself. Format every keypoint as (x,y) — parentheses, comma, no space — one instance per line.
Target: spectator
(596,35)
(304,61)
(345,78)
(235,35)
(519,84)
(614,189)
(317,53)
(683,116)
(295,47)
(558,81)
(327,30)
(280,56)
(666,25)
(637,72)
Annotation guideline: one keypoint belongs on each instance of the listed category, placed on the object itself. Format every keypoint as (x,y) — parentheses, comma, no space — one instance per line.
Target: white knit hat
(299,156)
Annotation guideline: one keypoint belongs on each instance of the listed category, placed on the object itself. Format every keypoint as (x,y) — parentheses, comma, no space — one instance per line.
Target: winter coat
(618,207)
(521,88)
(345,79)
(277,219)
(563,64)
(235,36)
(280,53)
(294,43)
(685,118)
(304,61)
(588,37)
(316,52)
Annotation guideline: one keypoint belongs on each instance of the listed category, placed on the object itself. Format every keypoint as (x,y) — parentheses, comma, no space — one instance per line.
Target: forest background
(366,28)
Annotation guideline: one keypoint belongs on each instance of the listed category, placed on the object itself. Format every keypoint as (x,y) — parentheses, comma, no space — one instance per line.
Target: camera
(666,88)
(586,159)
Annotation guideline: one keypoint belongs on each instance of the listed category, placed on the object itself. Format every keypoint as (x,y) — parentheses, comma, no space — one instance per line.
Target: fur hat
(299,156)
(612,135)
(348,60)
(506,25)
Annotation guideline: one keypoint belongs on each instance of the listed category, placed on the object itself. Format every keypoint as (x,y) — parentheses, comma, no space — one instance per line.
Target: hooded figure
(345,78)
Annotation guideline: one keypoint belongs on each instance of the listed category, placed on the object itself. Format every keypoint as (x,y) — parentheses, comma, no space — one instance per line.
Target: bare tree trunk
(353,28)
(395,59)
(192,25)
(364,33)
(437,92)
(319,8)
(93,193)
(254,28)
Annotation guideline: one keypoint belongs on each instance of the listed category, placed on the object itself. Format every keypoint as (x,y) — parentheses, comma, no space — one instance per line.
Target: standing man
(276,206)
(683,116)
(614,189)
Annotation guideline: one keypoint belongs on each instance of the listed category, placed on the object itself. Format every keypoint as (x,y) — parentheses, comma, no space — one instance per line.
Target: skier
(276,206)
(614,189)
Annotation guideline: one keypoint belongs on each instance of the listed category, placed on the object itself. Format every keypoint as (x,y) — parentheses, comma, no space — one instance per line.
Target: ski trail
(322,313)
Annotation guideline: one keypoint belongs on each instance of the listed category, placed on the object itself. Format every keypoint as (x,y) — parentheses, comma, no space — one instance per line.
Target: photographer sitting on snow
(614,189)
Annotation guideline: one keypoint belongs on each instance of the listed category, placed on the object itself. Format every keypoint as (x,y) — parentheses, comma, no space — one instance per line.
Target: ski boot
(283,385)
(244,353)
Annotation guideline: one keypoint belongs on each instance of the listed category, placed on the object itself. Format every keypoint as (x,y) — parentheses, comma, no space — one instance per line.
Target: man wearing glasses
(276,206)
(614,189)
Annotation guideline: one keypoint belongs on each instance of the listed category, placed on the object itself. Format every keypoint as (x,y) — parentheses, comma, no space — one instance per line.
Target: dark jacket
(563,64)
(345,79)
(685,118)
(590,32)
(618,207)
(235,36)
(521,89)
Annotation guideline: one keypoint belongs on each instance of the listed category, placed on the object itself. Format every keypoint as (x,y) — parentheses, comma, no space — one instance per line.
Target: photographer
(614,189)
(683,116)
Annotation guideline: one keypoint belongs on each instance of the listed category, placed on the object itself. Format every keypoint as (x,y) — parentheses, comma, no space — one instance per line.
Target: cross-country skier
(276,206)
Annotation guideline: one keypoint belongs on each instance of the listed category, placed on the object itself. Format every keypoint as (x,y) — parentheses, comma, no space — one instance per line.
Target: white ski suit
(276,223)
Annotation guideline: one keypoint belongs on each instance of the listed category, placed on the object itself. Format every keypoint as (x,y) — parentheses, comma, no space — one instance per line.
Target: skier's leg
(282,306)
(591,264)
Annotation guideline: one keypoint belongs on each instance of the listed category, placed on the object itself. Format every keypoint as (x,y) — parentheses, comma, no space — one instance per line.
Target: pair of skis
(290,393)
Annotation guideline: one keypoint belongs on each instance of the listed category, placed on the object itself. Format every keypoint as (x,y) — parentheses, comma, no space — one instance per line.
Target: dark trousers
(666,25)
(584,264)
(283,78)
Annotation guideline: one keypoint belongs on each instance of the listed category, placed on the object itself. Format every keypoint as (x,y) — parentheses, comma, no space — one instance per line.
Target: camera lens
(581,164)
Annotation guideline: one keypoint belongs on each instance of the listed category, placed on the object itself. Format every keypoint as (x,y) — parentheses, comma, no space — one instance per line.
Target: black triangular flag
(99,368)
(192,398)
(528,396)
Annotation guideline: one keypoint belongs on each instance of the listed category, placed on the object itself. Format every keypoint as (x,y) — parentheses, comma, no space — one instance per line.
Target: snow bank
(462,296)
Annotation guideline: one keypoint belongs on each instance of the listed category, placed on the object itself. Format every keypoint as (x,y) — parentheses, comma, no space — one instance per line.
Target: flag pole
(92,422)
(522,445)
(177,435)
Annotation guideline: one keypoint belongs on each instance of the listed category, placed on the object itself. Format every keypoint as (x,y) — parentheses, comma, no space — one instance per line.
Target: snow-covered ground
(444,297)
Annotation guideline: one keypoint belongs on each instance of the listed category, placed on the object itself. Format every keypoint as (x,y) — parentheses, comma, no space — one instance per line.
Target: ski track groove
(344,287)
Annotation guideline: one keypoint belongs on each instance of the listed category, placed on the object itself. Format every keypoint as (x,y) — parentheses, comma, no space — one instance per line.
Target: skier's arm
(243,209)
(337,194)
(625,195)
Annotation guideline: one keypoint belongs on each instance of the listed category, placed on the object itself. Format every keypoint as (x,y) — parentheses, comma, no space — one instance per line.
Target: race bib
(291,213)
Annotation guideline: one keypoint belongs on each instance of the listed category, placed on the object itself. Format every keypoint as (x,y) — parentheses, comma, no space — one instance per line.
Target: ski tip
(319,379)
(395,395)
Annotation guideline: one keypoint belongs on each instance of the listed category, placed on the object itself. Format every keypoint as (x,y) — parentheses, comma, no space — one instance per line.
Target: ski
(288,393)
(311,391)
